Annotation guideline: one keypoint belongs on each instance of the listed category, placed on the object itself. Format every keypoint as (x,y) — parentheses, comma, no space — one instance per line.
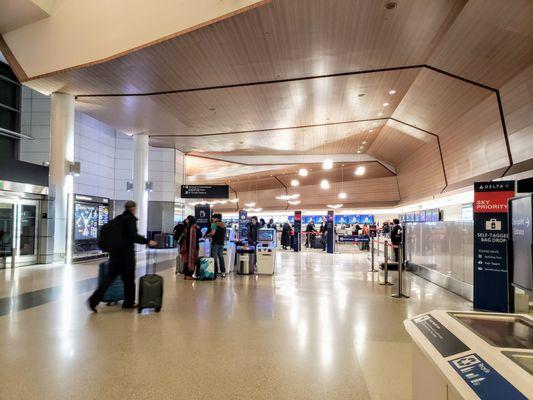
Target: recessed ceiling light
(358,151)
(342,195)
(327,164)
(392,91)
(295,182)
(385,104)
(374,123)
(294,202)
(364,142)
(360,170)
(334,205)
(380,114)
(361,147)
(371,130)
(303,172)
(324,184)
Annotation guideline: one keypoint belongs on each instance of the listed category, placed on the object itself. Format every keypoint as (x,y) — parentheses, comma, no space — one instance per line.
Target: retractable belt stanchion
(386,252)
(400,294)
(372,258)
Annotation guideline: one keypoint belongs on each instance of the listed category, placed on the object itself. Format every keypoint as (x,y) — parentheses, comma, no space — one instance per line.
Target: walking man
(122,260)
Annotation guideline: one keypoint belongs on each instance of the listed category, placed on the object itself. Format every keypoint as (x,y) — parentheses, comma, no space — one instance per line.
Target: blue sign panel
(243,224)
(484,380)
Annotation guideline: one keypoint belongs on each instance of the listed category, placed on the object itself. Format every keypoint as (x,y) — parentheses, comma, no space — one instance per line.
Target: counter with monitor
(266,251)
(471,355)
(89,213)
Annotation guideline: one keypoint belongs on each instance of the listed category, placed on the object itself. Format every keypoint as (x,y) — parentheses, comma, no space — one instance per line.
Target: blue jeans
(217,252)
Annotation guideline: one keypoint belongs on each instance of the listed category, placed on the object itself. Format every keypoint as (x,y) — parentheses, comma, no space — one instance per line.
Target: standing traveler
(271,224)
(310,231)
(178,233)
(396,234)
(286,236)
(218,235)
(253,227)
(324,233)
(190,247)
(122,259)
(262,223)
(386,227)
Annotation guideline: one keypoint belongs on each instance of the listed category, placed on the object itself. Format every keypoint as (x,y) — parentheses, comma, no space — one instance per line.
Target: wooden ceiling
(313,77)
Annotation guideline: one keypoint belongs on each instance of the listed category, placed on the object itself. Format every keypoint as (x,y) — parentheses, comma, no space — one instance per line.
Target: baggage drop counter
(471,355)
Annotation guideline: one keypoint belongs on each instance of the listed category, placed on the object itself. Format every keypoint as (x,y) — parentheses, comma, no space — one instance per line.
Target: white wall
(94,148)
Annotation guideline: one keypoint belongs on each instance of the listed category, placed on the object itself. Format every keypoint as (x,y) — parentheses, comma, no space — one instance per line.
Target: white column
(140,177)
(61,154)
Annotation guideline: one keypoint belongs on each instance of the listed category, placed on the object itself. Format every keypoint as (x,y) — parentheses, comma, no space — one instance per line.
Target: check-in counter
(471,355)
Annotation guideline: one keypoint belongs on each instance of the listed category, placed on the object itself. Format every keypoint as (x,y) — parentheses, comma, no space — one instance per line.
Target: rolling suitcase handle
(154,258)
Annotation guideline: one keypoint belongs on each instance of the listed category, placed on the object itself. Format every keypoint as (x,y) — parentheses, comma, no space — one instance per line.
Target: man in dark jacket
(310,231)
(122,261)
(324,233)
(396,237)
(253,227)
(218,236)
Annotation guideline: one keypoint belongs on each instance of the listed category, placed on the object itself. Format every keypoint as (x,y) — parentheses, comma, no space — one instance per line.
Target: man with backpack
(118,237)
(218,236)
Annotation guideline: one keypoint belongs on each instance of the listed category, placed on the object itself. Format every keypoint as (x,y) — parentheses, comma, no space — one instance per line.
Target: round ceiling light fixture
(327,164)
(324,184)
(385,104)
(303,172)
(359,171)
(295,182)
(392,91)
(342,195)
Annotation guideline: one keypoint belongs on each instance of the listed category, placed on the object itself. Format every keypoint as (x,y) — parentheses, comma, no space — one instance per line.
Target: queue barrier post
(372,258)
(400,294)
(386,277)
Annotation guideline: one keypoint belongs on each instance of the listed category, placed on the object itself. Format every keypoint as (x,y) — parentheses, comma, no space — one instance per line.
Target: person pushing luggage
(122,231)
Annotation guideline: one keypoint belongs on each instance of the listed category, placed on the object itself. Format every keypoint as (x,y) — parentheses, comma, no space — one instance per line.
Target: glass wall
(442,252)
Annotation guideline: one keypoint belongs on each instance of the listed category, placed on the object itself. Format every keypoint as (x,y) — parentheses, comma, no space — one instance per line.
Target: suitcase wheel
(157,309)
(139,310)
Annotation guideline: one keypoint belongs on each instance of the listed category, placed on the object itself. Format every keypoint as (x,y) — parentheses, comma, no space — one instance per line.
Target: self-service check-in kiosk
(229,249)
(266,251)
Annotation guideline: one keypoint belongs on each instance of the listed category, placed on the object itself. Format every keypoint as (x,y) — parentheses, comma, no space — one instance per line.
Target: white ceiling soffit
(17,13)
(79,32)
(295,159)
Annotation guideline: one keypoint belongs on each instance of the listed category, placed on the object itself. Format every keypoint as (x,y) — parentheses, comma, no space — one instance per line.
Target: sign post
(243,224)
(491,233)
(297,231)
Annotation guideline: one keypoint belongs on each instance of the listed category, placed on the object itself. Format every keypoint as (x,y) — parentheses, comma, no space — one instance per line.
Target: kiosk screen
(266,235)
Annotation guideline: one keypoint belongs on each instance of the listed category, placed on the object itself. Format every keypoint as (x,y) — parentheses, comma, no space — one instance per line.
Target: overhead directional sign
(204,191)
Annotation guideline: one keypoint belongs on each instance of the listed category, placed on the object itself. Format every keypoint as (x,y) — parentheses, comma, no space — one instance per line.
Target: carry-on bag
(115,291)
(207,268)
(179,265)
(150,289)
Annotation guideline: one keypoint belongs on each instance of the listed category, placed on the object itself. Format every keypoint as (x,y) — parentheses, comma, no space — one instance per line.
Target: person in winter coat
(122,261)
(190,247)
(286,236)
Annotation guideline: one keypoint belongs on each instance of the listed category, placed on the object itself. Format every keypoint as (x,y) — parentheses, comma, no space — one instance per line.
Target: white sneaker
(223,274)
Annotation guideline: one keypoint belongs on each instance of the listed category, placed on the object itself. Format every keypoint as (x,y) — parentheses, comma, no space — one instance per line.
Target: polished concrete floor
(321,328)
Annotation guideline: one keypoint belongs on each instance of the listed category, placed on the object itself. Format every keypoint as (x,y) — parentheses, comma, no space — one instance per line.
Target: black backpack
(111,236)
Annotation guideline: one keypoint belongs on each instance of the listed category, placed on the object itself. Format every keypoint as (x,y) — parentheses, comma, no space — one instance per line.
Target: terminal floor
(320,328)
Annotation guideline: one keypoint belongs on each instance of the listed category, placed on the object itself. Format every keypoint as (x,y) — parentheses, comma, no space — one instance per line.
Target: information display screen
(265,235)
(85,221)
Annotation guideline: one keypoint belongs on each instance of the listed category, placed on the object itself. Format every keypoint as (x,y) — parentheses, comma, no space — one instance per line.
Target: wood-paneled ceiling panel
(280,40)
(268,106)
(435,100)
(395,142)
(326,139)
(474,144)
(489,42)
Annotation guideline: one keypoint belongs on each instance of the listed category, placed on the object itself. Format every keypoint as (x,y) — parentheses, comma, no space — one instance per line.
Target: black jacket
(396,234)
(129,224)
(252,233)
